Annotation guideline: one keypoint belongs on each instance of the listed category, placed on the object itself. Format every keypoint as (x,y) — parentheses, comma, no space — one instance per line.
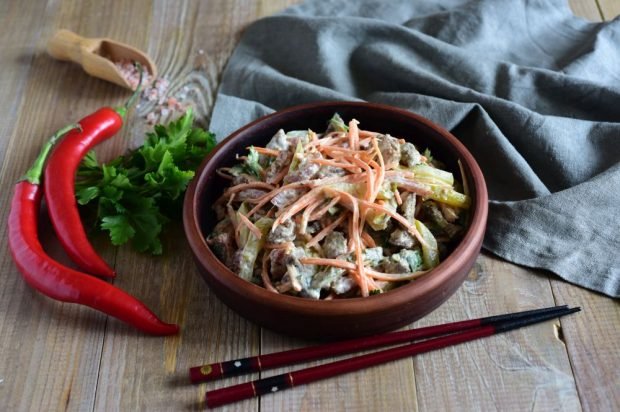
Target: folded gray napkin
(530,89)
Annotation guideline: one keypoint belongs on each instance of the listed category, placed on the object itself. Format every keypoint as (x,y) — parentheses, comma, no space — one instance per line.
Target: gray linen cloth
(530,89)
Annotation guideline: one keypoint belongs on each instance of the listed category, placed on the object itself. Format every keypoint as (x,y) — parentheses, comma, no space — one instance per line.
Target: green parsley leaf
(119,228)
(137,194)
(90,160)
(87,194)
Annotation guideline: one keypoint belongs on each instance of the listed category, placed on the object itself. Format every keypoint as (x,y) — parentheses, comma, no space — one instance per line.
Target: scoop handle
(66,45)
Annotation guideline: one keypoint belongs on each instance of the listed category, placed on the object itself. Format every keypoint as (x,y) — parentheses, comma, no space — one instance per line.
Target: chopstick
(263,362)
(276,383)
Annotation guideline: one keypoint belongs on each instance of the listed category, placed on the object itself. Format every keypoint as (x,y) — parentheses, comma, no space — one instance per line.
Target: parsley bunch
(136,194)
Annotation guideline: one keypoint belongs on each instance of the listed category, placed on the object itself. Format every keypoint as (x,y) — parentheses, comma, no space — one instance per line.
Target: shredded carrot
(265,199)
(283,245)
(354,137)
(293,274)
(395,277)
(367,133)
(244,220)
(243,186)
(335,152)
(327,162)
(410,228)
(370,175)
(357,244)
(400,173)
(329,140)
(368,240)
(305,217)
(264,274)
(319,214)
(399,199)
(351,237)
(265,151)
(381,169)
(319,236)
(221,172)
(298,205)
(277,178)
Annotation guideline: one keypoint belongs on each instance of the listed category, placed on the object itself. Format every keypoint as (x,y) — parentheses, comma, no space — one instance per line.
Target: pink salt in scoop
(98,57)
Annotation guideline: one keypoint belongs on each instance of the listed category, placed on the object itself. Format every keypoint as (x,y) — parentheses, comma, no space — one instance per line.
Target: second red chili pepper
(60,187)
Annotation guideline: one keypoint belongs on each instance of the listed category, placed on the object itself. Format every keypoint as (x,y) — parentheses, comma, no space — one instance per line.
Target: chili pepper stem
(33,175)
(122,110)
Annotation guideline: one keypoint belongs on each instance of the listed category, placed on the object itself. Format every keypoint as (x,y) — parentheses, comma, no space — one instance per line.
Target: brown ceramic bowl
(344,318)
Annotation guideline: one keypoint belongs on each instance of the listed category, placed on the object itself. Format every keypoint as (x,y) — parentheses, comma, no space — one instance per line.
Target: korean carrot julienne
(348,212)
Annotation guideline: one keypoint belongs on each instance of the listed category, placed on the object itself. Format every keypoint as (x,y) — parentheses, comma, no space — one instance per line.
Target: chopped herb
(136,194)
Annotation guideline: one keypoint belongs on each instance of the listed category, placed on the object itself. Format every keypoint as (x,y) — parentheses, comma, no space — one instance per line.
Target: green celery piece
(429,174)
(252,248)
(449,196)
(299,151)
(430,251)
(354,189)
(379,220)
(387,191)
(336,124)
(244,232)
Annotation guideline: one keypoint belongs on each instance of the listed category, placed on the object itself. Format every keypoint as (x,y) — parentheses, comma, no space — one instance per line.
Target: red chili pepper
(60,187)
(60,282)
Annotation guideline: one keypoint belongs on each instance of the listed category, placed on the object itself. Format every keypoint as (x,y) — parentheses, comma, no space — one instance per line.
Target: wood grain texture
(610,9)
(63,357)
(589,10)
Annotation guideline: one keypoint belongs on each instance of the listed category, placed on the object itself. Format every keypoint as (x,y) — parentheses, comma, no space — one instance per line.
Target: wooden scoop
(97,56)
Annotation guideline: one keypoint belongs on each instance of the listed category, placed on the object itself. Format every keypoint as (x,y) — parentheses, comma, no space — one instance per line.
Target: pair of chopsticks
(442,336)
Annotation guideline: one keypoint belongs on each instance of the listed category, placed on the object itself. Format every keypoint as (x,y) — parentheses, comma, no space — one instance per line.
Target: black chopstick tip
(519,323)
(490,320)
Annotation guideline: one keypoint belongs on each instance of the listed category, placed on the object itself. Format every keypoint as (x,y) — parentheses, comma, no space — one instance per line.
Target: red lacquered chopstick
(263,362)
(276,383)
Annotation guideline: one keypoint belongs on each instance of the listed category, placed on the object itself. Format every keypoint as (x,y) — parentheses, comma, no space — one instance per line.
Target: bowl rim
(470,243)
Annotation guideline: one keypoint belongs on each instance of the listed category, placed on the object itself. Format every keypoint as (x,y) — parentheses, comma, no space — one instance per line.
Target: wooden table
(63,357)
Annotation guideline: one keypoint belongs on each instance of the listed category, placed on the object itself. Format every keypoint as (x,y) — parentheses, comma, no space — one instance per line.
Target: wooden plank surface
(62,357)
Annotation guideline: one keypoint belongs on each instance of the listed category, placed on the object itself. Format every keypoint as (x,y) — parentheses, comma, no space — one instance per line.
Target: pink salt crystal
(131,73)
